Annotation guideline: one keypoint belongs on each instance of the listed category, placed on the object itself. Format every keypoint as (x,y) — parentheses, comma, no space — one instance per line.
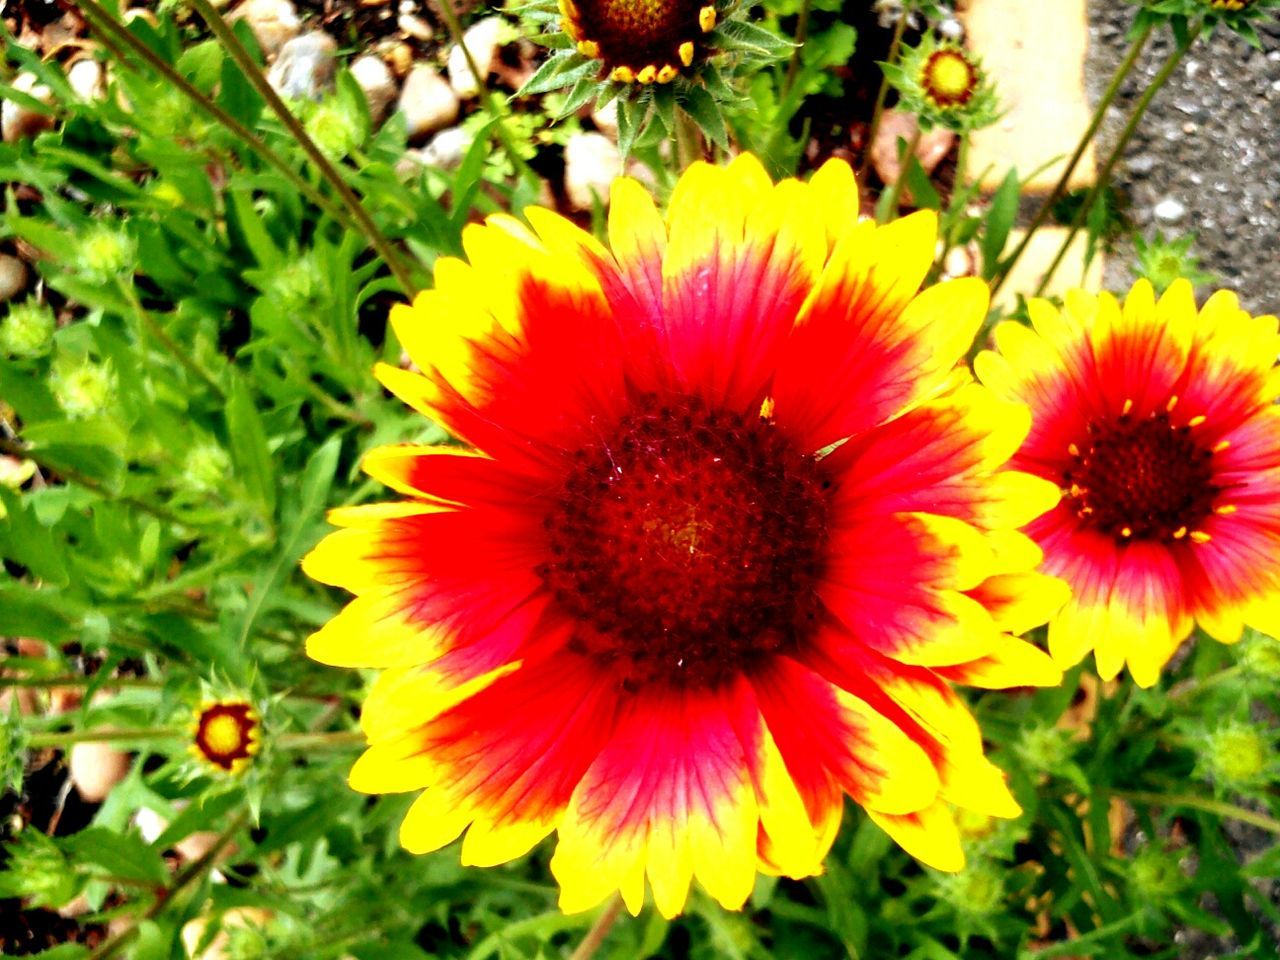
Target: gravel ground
(1207,157)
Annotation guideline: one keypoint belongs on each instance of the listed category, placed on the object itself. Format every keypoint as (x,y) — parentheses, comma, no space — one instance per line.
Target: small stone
(88,78)
(952,29)
(482,40)
(961,262)
(606,119)
(896,125)
(1170,210)
(273,22)
(373,76)
(591,164)
(1142,164)
(414,26)
(13,277)
(18,121)
(401,59)
(95,768)
(304,67)
(448,148)
(427,102)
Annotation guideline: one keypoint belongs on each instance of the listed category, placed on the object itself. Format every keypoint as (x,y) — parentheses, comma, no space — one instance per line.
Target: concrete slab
(1036,259)
(1034,50)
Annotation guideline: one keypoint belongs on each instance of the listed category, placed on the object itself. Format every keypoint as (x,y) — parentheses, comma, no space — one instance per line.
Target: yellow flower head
(226,734)
(639,41)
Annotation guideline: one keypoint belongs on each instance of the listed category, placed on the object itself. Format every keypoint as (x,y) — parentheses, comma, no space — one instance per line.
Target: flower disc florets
(691,540)
(642,41)
(226,734)
(948,78)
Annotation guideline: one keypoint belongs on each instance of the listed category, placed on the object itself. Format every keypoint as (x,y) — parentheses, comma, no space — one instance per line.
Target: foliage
(191,391)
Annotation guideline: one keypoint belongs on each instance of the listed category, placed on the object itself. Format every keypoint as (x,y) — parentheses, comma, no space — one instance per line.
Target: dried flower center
(647,39)
(1142,479)
(689,544)
(949,79)
(225,733)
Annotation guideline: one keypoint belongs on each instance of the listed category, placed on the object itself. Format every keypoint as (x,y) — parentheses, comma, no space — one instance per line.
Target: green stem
(1046,207)
(76,680)
(38,741)
(188,875)
(170,345)
(305,741)
(1075,944)
(802,34)
(375,237)
(1205,804)
(689,143)
(1104,175)
(108,27)
(893,197)
(450,15)
(599,930)
(1194,685)
(12,448)
(882,95)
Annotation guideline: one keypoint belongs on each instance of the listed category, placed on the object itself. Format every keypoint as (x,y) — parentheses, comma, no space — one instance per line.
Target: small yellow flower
(948,78)
(226,734)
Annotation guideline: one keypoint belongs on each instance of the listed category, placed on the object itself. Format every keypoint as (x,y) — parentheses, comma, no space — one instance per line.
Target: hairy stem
(1126,135)
(889,208)
(188,875)
(450,15)
(882,95)
(802,34)
(1046,206)
(236,50)
(1206,804)
(170,345)
(39,741)
(599,930)
(108,27)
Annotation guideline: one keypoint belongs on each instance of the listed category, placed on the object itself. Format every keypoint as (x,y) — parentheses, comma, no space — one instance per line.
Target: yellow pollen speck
(623,75)
(1197,420)
(686,52)
(1076,490)
(1085,511)
(1128,406)
(707,18)
(647,74)
(1126,532)
(767,408)
(1073,450)
(1179,533)
(1225,509)
(589,48)
(1221,445)
(667,73)
(1199,536)
(1173,402)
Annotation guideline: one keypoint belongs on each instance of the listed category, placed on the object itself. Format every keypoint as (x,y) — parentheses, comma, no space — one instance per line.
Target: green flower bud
(1044,749)
(206,467)
(335,128)
(1155,875)
(105,253)
(1236,756)
(82,387)
(28,330)
(977,891)
(1260,656)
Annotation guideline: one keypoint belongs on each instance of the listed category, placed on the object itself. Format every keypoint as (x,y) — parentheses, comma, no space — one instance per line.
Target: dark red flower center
(688,543)
(948,78)
(1141,479)
(637,33)
(225,733)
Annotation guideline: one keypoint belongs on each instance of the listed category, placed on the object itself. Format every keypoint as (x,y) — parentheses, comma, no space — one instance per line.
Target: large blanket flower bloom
(730,524)
(1159,422)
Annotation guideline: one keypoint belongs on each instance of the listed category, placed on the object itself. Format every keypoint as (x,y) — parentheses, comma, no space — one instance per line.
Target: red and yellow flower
(226,734)
(1159,424)
(730,524)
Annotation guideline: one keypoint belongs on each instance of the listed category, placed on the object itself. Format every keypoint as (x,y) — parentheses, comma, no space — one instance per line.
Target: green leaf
(704,110)
(922,190)
(249,450)
(124,855)
(1000,218)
